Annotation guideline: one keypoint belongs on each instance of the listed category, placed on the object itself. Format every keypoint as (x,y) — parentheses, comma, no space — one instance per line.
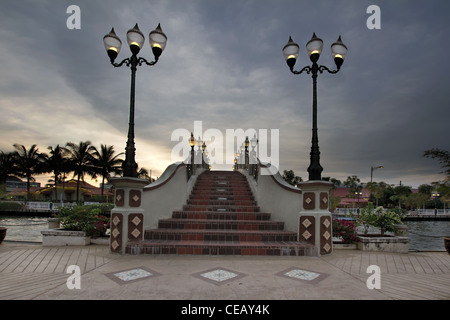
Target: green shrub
(87,218)
(381,218)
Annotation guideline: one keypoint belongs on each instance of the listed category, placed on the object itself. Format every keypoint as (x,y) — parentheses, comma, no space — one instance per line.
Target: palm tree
(7,167)
(105,163)
(145,174)
(55,163)
(28,163)
(81,160)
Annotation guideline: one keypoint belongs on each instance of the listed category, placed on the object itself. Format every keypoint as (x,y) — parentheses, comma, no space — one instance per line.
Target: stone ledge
(61,237)
(385,244)
(345,246)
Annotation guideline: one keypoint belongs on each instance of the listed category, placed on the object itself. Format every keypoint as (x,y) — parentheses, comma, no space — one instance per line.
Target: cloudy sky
(223,66)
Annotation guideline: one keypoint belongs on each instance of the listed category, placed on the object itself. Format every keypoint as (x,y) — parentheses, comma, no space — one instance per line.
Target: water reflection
(24,228)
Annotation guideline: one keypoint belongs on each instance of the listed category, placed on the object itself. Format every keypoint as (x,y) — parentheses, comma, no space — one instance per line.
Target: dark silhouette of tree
(29,163)
(105,163)
(442,156)
(81,161)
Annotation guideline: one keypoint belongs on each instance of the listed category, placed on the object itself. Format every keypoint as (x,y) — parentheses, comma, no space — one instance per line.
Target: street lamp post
(371,171)
(435,196)
(314,49)
(246,144)
(135,40)
(358,193)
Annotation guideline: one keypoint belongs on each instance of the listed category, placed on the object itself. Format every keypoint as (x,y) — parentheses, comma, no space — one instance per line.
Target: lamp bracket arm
(126,61)
(324,68)
(143,60)
(306,69)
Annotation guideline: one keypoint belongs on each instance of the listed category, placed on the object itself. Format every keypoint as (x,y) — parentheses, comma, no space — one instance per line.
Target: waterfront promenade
(33,272)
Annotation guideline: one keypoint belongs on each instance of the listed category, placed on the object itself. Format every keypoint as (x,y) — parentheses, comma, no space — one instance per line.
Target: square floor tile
(304,275)
(219,275)
(131,275)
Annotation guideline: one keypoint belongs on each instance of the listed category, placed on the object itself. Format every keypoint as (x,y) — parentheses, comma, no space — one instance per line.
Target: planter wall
(447,244)
(345,246)
(61,237)
(2,233)
(385,244)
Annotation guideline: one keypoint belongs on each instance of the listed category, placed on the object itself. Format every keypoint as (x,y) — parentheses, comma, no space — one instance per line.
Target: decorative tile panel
(135,198)
(324,200)
(135,226)
(120,197)
(309,201)
(303,275)
(325,235)
(116,232)
(307,229)
(132,275)
(219,276)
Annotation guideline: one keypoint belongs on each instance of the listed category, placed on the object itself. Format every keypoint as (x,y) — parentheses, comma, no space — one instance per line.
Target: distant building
(66,192)
(350,200)
(14,183)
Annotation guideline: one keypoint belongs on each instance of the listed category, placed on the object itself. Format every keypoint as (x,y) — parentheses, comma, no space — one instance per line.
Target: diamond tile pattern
(131,275)
(303,275)
(219,276)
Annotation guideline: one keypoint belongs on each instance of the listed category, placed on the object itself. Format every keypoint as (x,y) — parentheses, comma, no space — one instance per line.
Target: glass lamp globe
(158,41)
(135,39)
(112,44)
(339,52)
(314,48)
(290,52)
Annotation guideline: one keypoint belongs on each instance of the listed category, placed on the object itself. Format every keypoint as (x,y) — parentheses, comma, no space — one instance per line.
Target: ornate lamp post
(246,144)
(371,171)
(192,144)
(435,195)
(135,40)
(314,49)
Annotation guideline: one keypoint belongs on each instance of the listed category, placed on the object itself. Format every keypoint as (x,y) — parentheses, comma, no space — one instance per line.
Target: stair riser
(221,203)
(220,215)
(231,225)
(221,208)
(203,250)
(230,197)
(215,195)
(217,237)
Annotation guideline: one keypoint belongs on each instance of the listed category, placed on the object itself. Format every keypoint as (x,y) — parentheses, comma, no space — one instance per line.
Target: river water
(26,229)
(424,235)
(427,235)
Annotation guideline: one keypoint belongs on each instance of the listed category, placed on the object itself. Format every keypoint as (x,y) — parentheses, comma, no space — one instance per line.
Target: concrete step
(191,247)
(202,224)
(219,235)
(220,215)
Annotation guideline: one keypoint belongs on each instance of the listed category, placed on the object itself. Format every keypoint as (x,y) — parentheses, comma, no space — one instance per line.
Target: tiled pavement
(36,272)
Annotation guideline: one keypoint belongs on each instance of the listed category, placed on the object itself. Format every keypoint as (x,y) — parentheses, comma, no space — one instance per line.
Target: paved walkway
(29,271)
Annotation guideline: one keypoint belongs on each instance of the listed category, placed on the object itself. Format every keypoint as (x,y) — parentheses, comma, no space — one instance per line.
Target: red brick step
(220,217)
